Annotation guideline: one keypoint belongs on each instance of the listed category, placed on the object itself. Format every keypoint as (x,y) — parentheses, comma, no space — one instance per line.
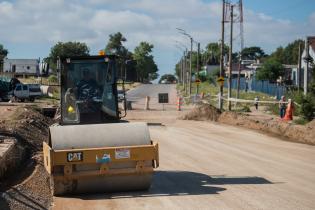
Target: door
(21,91)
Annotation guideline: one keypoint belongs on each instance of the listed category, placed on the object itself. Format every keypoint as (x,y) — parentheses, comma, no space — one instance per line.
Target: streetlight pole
(230,60)
(191,49)
(190,63)
(198,66)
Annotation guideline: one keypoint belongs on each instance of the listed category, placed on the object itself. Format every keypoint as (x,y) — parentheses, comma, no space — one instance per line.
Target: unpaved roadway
(205,165)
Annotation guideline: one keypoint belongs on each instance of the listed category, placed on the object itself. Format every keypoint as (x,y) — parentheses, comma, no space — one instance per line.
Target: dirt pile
(203,112)
(272,125)
(267,123)
(28,187)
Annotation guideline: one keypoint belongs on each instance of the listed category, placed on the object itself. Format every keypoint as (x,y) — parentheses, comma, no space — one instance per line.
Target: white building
(21,66)
(310,50)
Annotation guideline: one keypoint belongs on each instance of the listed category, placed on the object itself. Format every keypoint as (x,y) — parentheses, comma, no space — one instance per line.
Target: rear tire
(32,99)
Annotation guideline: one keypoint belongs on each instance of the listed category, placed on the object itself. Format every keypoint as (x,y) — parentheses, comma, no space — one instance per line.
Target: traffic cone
(288,113)
(179,101)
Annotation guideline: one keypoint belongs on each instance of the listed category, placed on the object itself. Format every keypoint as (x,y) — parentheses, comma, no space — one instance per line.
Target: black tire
(32,99)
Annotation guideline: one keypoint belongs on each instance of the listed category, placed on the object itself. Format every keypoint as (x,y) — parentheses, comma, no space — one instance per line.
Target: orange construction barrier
(289,111)
(179,103)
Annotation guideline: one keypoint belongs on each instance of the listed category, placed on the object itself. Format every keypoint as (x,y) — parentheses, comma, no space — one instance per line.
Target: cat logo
(74,156)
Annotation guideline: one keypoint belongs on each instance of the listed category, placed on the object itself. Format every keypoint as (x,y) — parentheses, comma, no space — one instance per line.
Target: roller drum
(96,136)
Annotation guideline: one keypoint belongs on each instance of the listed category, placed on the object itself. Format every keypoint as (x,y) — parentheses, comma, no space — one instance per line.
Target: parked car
(26,91)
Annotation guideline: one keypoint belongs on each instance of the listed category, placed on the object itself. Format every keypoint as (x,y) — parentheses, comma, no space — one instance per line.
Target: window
(18,88)
(24,87)
(28,67)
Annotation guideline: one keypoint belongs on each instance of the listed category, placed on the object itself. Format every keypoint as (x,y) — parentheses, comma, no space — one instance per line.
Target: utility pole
(307,55)
(230,59)
(198,67)
(299,73)
(222,54)
(241,19)
(190,68)
(184,73)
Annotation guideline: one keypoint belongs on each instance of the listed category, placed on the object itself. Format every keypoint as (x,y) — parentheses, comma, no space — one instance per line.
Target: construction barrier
(147,101)
(179,103)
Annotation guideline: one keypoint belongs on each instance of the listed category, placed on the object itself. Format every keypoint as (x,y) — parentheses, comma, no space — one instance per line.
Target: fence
(263,86)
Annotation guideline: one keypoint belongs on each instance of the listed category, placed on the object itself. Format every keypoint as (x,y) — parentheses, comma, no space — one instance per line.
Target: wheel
(32,99)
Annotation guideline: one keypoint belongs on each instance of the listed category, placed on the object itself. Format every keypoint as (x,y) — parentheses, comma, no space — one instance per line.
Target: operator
(87,87)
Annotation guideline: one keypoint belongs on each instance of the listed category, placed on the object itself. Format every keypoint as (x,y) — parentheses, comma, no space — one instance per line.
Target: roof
(311,40)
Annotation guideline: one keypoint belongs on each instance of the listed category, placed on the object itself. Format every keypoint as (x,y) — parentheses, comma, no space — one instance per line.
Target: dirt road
(210,166)
(206,165)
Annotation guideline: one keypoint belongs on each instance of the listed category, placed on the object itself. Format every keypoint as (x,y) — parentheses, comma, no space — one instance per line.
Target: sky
(29,28)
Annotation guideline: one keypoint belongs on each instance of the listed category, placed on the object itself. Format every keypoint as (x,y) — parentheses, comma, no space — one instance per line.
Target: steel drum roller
(97,136)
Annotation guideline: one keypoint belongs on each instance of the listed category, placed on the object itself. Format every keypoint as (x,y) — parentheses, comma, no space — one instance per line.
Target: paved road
(205,165)
(138,95)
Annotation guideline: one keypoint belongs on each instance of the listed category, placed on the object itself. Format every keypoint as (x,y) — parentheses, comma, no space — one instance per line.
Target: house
(21,67)
(306,65)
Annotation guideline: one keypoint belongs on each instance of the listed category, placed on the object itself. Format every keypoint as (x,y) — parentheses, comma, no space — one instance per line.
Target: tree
(3,54)
(146,67)
(167,78)
(64,49)
(252,53)
(115,45)
(288,54)
(212,53)
(271,70)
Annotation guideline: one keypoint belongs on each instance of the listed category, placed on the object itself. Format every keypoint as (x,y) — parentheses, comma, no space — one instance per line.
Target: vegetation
(146,67)
(168,78)
(288,54)
(3,53)
(271,70)
(115,45)
(65,49)
(253,53)
(52,79)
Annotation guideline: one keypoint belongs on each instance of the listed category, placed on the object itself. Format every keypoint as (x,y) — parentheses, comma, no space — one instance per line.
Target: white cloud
(91,21)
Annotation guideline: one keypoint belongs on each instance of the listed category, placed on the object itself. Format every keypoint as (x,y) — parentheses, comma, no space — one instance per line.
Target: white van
(27,91)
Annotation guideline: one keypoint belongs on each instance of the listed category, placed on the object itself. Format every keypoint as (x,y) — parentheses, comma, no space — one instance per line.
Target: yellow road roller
(91,150)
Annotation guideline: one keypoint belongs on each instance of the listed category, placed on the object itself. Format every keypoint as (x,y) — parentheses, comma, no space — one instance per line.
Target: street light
(184,72)
(182,31)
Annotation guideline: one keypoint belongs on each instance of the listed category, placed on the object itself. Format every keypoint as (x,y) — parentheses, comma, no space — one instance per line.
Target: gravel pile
(28,186)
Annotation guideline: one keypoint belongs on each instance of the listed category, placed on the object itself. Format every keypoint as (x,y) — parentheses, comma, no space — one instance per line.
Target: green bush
(52,79)
(308,107)
(245,109)
(203,78)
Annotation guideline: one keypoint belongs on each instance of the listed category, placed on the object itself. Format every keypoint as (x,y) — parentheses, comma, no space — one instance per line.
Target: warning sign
(122,153)
(220,80)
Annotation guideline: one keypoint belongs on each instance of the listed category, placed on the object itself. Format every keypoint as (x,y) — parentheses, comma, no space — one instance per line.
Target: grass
(213,90)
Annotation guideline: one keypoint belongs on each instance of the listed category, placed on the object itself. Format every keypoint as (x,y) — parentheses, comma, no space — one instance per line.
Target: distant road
(151,90)
(138,95)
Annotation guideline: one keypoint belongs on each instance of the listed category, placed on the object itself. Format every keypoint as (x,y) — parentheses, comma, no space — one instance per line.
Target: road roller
(91,149)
